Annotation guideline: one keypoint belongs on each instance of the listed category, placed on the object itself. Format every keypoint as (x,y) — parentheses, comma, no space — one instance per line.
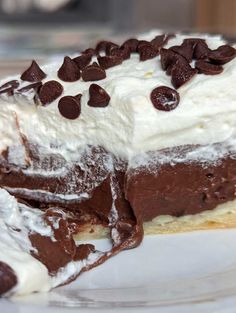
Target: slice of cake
(118,141)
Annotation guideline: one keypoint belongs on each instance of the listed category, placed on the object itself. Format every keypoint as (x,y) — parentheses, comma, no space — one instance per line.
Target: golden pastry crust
(222,217)
(227,220)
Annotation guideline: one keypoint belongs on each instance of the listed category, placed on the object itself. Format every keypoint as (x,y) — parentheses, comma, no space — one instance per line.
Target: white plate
(194,272)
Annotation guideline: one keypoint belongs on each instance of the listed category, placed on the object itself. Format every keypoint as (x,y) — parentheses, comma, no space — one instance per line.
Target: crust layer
(222,217)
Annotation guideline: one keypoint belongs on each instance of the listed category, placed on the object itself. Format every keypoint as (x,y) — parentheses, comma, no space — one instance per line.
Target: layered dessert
(118,141)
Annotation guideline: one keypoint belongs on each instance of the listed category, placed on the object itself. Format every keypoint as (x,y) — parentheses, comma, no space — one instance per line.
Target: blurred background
(43,29)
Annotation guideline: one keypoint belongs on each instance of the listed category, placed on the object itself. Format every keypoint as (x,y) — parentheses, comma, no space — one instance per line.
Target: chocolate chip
(109,61)
(169,59)
(194,41)
(69,107)
(34,86)
(83,60)
(9,87)
(98,97)
(146,51)
(180,74)
(201,50)
(164,98)
(222,55)
(122,52)
(110,47)
(181,62)
(142,43)
(105,46)
(168,37)
(101,46)
(33,73)
(207,68)
(69,71)
(131,44)
(185,50)
(50,91)
(93,72)
(177,65)
(169,69)
(12,83)
(89,51)
(8,278)
(160,40)
(78,97)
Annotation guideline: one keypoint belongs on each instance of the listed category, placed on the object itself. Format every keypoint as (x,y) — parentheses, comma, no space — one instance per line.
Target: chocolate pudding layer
(179,189)
(178,181)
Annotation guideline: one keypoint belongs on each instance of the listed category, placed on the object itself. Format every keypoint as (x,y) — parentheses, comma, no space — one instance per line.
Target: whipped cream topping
(129,125)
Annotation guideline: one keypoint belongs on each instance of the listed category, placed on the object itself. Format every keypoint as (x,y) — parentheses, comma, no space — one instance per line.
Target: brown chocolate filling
(180,189)
(171,189)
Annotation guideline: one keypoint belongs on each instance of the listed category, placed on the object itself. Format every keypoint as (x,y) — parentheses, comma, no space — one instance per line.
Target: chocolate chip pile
(176,60)
(181,62)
